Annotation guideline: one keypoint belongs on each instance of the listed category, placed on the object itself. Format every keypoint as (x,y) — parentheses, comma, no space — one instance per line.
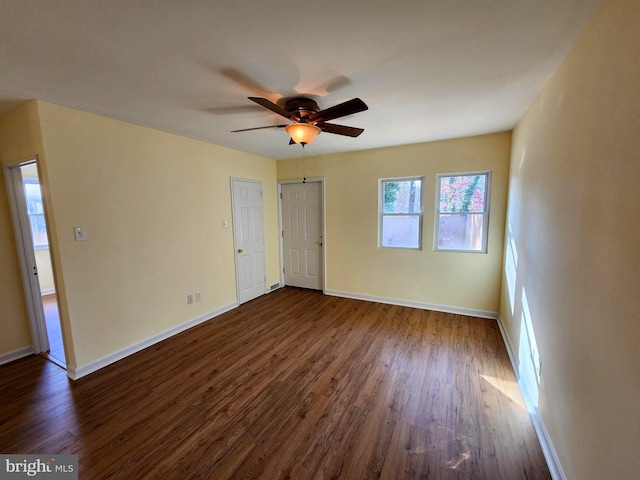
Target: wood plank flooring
(293,385)
(54,330)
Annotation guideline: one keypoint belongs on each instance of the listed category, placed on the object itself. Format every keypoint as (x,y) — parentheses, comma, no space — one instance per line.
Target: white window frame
(381,213)
(36,181)
(485,212)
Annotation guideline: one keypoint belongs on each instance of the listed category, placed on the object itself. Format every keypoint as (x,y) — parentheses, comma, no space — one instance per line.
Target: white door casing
(248,228)
(28,266)
(302,235)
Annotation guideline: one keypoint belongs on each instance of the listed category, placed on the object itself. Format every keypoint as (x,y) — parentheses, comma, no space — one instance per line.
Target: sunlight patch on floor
(509,388)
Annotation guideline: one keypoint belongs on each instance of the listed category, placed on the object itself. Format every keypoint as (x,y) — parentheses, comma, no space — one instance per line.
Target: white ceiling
(428,69)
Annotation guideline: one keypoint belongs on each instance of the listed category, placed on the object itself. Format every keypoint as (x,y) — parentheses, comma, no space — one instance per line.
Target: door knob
(240,250)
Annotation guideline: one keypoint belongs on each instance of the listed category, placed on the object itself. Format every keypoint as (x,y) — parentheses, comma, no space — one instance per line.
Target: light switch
(79,233)
(225,224)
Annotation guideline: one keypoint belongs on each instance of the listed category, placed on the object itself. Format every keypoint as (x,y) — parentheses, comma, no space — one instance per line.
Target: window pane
(461,232)
(462,193)
(402,196)
(35,210)
(38,230)
(34,198)
(401,231)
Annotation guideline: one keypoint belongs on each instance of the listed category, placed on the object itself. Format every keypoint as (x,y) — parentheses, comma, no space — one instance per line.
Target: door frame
(26,254)
(320,180)
(233,226)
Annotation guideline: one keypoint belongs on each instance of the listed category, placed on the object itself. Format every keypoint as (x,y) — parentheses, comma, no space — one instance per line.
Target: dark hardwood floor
(54,331)
(293,385)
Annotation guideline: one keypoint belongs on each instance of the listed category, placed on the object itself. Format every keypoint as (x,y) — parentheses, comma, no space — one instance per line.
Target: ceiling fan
(308,120)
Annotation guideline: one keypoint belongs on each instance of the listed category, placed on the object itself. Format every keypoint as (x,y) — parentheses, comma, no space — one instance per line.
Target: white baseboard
(507,342)
(15,355)
(83,370)
(548,450)
(409,303)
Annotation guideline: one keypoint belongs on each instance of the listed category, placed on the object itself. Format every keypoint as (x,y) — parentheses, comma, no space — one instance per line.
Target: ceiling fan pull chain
(304,176)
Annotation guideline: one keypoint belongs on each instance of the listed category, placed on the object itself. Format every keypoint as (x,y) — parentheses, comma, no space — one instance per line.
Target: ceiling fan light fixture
(303,133)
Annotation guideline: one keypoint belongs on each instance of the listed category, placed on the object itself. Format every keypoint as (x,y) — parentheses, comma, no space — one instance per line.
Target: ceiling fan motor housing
(302,106)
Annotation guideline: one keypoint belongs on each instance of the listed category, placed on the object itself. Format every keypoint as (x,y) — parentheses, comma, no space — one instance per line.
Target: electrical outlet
(198,296)
(189,299)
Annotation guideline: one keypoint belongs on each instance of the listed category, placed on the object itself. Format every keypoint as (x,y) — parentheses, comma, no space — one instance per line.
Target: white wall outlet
(198,296)
(79,233)
(189,299)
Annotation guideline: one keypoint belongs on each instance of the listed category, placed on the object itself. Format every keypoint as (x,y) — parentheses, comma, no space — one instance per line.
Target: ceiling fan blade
(258,128)
(275,108)
(340,129)
(347,108)
(291,142)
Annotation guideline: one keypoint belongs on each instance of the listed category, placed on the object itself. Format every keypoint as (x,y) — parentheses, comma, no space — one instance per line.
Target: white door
(249,238)
(302,234)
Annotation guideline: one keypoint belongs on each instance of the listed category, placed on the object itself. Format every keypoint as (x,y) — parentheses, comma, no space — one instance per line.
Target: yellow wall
(574,219)
(355,264)
(152,204)
(19,140)
(45,272)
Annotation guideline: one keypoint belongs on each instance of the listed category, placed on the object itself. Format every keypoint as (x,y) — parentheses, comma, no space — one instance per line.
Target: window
(35,210)
(400,221)
(462,212)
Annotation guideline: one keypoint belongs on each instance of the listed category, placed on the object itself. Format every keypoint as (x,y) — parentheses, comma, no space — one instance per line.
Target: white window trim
(485,224)
(381,215)
(36,181)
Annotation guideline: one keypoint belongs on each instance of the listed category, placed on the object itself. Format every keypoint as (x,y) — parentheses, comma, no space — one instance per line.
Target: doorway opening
(32,238)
